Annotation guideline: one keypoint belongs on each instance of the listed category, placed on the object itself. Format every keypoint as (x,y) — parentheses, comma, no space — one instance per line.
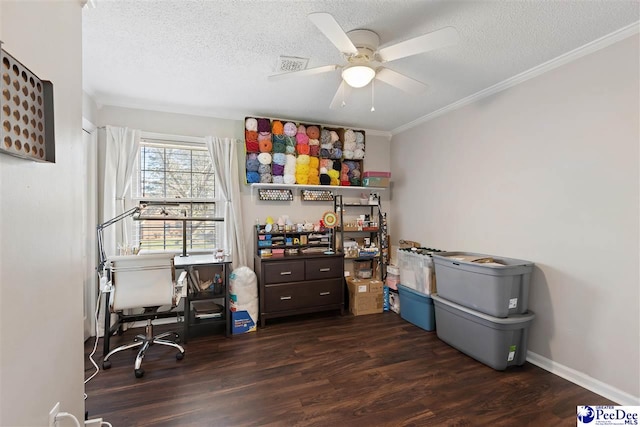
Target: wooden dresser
(297,284)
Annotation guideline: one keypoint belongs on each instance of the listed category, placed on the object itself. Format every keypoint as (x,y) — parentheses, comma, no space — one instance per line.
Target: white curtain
(223,152)
(121,151)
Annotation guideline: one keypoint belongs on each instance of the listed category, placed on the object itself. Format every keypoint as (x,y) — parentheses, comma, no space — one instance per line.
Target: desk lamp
(135,211)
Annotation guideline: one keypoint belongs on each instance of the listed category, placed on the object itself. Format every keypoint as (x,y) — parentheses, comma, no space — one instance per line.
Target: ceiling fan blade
(307,72)
(444,37)
(343,92)
(400,81)
(333,31)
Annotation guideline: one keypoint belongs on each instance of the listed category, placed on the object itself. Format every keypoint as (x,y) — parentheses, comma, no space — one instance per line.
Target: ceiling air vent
(288,64)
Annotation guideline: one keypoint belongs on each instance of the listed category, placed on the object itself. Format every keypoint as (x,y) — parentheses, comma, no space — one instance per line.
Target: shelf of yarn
(284,152)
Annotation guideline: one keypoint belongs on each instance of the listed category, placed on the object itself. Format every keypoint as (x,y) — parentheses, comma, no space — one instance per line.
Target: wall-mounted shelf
(337,188)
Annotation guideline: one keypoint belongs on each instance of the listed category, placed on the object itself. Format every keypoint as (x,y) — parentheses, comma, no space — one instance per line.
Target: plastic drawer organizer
(496,342)
(492,285)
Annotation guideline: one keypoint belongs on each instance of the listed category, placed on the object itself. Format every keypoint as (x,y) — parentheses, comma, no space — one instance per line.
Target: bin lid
(512,319)
(481,259)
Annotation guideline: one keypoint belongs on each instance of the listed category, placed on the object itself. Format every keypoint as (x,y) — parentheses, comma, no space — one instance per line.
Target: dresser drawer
(279,272)
(324,268)
(291,296)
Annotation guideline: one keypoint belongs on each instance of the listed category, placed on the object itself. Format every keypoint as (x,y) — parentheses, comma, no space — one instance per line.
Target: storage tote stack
(481,306)
(417,283)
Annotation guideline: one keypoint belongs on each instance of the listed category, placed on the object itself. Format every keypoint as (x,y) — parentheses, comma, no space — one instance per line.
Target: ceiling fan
(360,49)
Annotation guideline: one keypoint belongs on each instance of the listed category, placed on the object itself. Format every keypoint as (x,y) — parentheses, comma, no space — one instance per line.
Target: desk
(206,266)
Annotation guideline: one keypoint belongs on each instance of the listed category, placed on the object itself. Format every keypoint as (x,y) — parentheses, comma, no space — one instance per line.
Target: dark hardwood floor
(326,370)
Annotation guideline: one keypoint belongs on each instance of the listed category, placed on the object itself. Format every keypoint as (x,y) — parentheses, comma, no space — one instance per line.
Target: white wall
(546,171)
(377,158)
(89,109)
(169,123)
(41,277)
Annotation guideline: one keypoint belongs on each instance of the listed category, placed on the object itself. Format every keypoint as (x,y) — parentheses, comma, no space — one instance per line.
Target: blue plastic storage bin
(417,308)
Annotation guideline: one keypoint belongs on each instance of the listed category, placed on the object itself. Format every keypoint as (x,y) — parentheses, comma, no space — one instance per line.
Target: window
(175,179)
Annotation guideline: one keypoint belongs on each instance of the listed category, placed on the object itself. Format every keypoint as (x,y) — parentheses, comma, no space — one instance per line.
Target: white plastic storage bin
(496,342)
(493,285)
(416,271)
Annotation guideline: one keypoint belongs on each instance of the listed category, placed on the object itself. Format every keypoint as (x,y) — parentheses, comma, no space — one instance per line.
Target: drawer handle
(325,293)
(284,298)
(325,269)
(285,273)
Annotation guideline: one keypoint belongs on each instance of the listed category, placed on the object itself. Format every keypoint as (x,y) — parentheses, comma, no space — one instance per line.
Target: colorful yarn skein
(264,125)
(334,136)
(324,179)
(251,144)
(290,129)
(252,163)
(314,173)
(277,128)
(265,178)
(313,132)
(279,146)
(279,159)
(302,138)
(265,145)
(325,136)
(264,158)
(251,124)
(253,177)
(290,144)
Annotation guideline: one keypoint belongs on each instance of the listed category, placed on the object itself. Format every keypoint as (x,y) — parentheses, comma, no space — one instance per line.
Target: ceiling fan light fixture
(358,75)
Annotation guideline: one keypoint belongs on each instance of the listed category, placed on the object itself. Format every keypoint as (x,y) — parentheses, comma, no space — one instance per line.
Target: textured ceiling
(213,57)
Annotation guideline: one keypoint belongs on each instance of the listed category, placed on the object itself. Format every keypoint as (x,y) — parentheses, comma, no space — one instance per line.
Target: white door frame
(90,220)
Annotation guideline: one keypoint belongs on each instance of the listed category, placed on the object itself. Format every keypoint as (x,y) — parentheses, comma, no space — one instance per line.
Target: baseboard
(583,380)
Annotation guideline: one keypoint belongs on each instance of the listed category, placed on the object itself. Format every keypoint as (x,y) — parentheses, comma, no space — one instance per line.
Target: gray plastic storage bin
(496,342)
(498,289)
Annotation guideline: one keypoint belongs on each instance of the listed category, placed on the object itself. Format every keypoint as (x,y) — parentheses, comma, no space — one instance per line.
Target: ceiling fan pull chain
(373,86)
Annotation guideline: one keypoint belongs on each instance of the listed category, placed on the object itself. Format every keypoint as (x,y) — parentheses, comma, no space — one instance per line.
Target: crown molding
(570,56)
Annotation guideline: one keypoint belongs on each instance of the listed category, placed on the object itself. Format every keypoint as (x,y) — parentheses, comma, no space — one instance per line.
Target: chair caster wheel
(179,356)
(139,372)
(106,364)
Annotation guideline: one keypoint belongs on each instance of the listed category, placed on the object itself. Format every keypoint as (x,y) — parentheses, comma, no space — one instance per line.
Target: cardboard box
(365,296)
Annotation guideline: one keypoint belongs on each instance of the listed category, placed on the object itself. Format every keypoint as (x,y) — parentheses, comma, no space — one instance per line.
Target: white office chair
(143,281)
